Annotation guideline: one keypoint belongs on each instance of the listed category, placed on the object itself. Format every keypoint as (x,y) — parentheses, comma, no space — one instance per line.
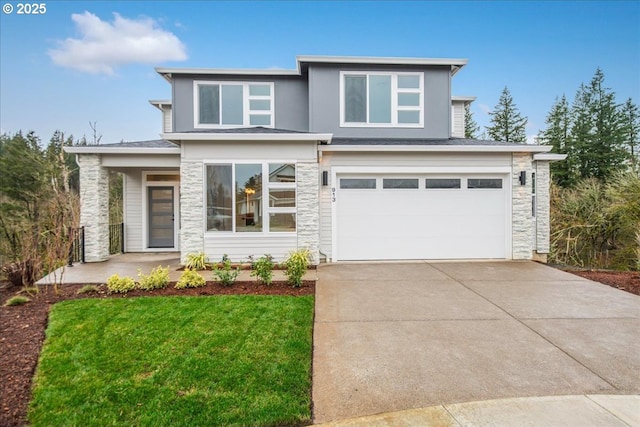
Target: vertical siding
(457,130)
(133,211)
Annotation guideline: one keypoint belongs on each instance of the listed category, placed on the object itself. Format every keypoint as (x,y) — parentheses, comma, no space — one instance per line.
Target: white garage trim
(346,171)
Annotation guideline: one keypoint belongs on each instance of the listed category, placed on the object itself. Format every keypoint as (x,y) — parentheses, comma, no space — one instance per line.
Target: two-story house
(355,158)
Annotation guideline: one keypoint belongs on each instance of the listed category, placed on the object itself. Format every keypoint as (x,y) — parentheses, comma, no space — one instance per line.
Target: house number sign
(333,194)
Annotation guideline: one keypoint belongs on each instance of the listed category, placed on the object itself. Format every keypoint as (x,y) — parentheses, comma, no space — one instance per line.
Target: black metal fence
(116,238)
(76,239)
(76,246)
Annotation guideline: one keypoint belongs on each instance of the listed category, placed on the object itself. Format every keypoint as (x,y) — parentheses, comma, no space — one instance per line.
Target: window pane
(408,82)
(259,90)
(399,183)
(209,102)
(282,198)
(408,116)
(219,197)
(442,183)
(232,105)
(282,172)
(260,104)
(379,99)
(409,99)
(282,222)
(260,119)
(355,98)
(484,183)
(367,183)
(249,197)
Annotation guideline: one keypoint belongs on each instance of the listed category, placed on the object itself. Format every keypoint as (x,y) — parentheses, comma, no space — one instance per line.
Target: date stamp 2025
(25,8)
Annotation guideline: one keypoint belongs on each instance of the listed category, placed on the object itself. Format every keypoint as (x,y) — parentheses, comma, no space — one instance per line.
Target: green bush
(296,265)
(226,274)
(157,279)
(119,284)
(87,289)
(195,261)
(16,300)
(190,279)
(262,268)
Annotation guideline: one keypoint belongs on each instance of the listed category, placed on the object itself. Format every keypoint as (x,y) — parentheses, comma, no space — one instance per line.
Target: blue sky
(93,61)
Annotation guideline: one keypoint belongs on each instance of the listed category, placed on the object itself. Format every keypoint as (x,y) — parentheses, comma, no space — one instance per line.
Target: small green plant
(16,300)
(196,261)
(87,289)
(157,279)
(31,290)
(296,265)
(190,279)
(262,268)
(119,284)
(226,274)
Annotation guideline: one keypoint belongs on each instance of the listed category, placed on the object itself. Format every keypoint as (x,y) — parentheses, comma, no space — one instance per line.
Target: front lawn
(176,361)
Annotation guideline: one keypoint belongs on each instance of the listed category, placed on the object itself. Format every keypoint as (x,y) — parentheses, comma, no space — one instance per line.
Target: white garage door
(422,217)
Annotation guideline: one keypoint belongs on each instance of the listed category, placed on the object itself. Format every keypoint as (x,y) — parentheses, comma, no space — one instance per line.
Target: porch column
(191,208)
(521,214)
(94,207)
(543,202)
(308,220)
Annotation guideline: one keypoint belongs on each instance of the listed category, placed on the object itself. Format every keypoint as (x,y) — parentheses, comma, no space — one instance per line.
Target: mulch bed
(625,280)
(22,331)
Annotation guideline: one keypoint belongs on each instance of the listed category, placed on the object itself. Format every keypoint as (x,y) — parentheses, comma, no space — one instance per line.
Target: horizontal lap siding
(239,247)
(458,120)
(133,220)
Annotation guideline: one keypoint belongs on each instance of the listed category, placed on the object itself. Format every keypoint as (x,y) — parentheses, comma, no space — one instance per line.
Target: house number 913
(333,194)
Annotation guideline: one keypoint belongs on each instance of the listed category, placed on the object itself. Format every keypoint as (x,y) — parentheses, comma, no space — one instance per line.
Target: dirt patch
(22,331)
(625,280)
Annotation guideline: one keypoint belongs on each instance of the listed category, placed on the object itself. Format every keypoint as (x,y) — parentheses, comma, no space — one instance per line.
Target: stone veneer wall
(94,207)
(521,219)
(308,217)
(543,200)
(191,208)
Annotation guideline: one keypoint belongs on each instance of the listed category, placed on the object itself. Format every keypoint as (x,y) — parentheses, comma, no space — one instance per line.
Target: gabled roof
(303,62)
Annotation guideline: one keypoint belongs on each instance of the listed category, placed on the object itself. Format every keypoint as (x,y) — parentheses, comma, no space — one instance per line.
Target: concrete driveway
(394,336)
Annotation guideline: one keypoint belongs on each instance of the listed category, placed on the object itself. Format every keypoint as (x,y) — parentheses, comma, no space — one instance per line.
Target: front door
(161,217)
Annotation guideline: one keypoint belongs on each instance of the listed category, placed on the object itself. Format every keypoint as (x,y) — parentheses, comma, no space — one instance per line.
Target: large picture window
(381,99)
(233,104)
(251,197)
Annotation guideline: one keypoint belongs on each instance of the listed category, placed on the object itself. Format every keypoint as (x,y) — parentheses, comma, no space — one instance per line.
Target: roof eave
(177,137)
(552,157)
(98,149)
(441,148)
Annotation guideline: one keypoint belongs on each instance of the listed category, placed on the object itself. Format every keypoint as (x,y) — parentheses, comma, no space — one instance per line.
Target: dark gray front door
(161,221)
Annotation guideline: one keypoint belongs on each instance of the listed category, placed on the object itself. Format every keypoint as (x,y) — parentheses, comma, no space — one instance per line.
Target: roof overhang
(159,103)
(178,137)
(464,99)
(439,148)
(100,149)
(552,157)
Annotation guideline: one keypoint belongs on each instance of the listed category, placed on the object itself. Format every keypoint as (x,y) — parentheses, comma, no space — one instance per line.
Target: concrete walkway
(397,336)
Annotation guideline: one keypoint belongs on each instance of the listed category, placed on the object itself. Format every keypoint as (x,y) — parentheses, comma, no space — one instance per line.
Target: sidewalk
(550,411)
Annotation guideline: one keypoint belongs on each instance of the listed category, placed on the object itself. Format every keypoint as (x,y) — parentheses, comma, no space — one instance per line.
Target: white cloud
(103,45)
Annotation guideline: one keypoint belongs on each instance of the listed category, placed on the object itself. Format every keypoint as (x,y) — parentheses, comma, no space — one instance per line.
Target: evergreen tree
(507,124)
(631,131)
(471,128)
(557,136)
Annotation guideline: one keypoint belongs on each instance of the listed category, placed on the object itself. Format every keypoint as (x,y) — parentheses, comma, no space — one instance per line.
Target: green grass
(176,361)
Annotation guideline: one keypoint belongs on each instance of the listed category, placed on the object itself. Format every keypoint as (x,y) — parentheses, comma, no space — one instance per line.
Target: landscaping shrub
(296,265)
(262,268)
(87,289)
(195,261)
(16,300)
(157,279)
(119,284)
(226,274)
(190,279)
(20,273)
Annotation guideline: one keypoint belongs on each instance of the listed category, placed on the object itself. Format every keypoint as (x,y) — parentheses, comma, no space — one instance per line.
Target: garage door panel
(421,224)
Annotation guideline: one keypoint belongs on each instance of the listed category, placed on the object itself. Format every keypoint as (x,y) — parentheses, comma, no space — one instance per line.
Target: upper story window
(381,99)
(233,104)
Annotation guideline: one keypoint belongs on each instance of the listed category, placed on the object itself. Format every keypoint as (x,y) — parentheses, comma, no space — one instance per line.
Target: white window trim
(266,209)
(246,111)
(395,91)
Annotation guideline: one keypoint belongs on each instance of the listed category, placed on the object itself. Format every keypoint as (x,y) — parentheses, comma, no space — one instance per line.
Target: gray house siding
(290,99)
(324,103)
